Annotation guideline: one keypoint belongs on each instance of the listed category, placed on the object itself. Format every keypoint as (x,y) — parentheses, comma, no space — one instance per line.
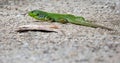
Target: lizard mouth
(31,14)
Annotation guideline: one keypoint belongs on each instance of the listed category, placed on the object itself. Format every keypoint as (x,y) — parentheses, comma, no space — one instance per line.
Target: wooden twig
(45,28)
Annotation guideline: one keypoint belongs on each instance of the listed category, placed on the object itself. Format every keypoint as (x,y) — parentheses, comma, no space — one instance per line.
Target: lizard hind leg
(79,18)
(62,21)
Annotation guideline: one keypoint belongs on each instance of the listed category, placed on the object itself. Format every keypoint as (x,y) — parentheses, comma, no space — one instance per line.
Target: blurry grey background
(77,44)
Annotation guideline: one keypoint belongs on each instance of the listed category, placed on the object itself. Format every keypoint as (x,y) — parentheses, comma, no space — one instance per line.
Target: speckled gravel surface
(76,44)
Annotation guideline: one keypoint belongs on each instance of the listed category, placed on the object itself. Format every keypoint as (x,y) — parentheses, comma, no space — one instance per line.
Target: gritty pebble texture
(74,44)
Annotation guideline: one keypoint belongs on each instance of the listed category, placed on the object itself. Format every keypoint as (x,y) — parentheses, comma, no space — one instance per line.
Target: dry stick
(48,28)
(43,28)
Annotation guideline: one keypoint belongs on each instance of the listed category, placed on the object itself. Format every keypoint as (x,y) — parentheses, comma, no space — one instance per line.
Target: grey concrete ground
(78,44)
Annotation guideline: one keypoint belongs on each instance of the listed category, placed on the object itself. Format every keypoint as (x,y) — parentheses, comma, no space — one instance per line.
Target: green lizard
(63,18)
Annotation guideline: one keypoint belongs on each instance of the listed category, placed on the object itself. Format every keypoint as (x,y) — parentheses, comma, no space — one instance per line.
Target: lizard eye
(32,11)
(37,14)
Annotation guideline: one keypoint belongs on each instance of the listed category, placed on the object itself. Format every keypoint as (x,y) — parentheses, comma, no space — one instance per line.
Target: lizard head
(37,14)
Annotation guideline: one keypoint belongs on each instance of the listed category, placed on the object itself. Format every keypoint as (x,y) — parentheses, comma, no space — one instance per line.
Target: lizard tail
(89,24)
(97,26)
